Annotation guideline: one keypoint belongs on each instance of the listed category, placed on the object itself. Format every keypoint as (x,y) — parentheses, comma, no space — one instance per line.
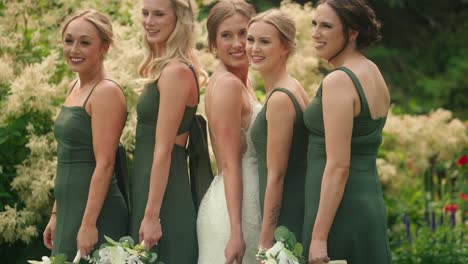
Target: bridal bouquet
(122,252)
(59,259)
(286,250)
(112,252)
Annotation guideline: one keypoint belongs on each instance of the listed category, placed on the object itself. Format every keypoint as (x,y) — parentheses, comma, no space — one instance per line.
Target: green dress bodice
(359,231)
(292,205)
(75,168)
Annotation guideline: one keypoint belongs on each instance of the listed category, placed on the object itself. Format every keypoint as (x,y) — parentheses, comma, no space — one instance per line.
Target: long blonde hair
(179,46)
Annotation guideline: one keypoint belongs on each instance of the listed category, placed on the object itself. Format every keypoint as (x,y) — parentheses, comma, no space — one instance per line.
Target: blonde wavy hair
(179,46)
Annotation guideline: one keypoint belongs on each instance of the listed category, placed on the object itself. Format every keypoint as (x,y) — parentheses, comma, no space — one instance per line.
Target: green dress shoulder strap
(190,112)
(297,107)
(364,105)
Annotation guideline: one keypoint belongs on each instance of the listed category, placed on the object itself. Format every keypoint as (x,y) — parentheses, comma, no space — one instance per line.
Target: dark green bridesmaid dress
(359,231)
(75,167)
(178,244)
(292,204)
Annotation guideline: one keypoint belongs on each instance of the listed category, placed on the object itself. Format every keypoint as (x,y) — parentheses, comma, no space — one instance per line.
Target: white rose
(45,260)
(117,255)
(270,261)
(283,258)
(273,251)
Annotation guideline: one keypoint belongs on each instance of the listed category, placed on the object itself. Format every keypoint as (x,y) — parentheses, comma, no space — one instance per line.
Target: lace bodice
(256,107)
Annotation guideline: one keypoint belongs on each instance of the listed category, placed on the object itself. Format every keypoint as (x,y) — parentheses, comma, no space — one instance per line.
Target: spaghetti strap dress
(359,230)
(75,168)
(292,204)
(178,215)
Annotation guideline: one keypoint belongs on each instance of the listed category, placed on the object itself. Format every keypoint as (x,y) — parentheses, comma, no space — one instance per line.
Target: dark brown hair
(223,10)
(358,16)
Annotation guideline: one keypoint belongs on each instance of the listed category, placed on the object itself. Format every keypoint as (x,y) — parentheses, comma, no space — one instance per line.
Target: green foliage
(423,54)
(444,245)
(13,148)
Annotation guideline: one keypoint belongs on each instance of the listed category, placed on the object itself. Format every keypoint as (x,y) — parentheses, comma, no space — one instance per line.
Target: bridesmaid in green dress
(88,203)
(163,213)
(278,133)
(345,215)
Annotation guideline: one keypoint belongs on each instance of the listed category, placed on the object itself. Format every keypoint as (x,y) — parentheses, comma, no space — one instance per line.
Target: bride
(228,223)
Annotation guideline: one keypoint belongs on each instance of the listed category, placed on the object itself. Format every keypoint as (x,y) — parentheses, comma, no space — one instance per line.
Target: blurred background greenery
(423,54)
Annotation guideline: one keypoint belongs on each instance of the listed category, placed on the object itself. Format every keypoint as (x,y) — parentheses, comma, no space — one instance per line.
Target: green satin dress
(75,167)
(292,204)
(178,214)
(359,231)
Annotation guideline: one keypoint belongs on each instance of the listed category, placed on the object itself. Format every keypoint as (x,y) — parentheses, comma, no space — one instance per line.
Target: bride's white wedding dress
(213,228)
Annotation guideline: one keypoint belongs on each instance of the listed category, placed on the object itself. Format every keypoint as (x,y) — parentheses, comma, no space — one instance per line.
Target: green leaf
(127,241)
(281,233)
(111,241)
(154,256)
(96,254)
(298,249)
(291,242)
(59,259)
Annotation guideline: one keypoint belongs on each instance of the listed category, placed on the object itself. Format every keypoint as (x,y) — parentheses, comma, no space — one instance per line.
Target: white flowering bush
(414,144)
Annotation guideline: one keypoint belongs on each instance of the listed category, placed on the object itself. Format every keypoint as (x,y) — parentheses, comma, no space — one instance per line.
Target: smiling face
(264,47)
(158,20)
(230,41)
(327,32)
(82,47)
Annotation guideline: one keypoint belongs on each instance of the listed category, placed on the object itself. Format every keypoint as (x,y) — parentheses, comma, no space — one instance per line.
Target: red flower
(450,208)
(462,160)
(464,196)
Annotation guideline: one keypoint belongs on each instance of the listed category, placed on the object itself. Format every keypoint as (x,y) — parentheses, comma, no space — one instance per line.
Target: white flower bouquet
(58,259)
(112,252)
(122,252)
(286,250)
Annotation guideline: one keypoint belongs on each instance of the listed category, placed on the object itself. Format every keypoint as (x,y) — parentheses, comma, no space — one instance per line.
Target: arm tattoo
(275,214)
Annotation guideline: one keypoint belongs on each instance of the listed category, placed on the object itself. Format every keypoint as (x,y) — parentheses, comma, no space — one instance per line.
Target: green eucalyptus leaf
(298,249)
(127,241)
(59,259)
(111,241)
(96,254)
(281,233)
(154,256)
(291,242)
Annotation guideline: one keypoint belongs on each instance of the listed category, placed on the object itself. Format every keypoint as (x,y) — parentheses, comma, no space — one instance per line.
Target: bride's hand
(150,232)
(235,249)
